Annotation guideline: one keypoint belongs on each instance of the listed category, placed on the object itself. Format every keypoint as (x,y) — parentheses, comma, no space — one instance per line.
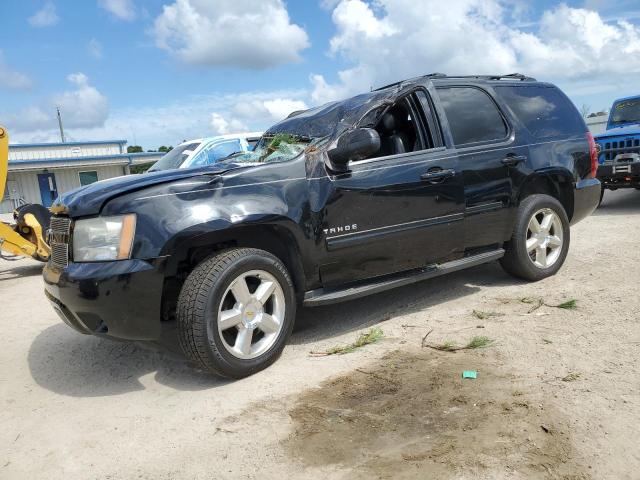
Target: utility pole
(60,124)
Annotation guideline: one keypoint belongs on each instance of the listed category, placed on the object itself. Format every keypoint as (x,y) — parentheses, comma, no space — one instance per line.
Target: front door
(400,211)
(48,188)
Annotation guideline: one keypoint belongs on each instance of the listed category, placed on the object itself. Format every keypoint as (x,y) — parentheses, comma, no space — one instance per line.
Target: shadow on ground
(8,271)
(619,202)
(69,363)
(320,323)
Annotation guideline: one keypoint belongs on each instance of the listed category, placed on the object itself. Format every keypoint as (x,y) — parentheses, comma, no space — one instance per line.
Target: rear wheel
(540,240)
(236,311)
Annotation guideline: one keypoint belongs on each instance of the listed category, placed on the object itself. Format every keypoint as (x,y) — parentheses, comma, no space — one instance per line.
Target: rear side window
(545,111)
(472,114)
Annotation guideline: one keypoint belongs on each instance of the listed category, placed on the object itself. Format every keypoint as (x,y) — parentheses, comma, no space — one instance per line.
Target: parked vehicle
(619,146)
(206,151)
(26,235)
(411,181)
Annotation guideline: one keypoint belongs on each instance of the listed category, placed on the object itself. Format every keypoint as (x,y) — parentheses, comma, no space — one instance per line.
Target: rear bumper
(118,299)
(619,175)
(586,198)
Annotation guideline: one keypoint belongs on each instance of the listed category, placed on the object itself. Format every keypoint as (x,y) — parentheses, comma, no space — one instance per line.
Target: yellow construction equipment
(26,236)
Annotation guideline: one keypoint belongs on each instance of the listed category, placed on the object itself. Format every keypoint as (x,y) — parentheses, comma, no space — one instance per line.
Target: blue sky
(159,71)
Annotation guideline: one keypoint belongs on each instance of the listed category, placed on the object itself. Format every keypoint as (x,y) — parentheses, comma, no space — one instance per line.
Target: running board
(321,296)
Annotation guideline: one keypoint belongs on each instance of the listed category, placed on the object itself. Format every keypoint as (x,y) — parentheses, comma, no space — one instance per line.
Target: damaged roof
(334,118)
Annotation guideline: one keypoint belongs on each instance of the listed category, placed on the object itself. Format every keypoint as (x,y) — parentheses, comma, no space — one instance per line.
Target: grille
(59,235)
(611,149)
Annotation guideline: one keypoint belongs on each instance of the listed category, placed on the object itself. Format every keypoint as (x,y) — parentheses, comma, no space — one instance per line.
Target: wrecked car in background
(411,181)
(206,151)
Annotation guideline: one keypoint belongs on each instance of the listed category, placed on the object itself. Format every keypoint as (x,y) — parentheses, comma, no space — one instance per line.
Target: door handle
(437,174)
(512,160)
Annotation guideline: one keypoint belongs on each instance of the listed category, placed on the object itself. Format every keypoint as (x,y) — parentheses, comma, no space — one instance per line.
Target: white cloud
(122,9)
(11,79)
(222,126)
(82,107)
(388,40)
(253,34)
(271,110)
(94,48)
(44,17)
(186,118)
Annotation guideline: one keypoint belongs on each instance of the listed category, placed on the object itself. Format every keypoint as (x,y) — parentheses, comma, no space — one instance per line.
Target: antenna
(60,124)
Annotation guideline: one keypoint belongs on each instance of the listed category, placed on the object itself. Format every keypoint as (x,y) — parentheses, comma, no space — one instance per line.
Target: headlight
(103,238)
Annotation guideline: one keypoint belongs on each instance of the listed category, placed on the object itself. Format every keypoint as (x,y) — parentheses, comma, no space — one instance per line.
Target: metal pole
(60,124)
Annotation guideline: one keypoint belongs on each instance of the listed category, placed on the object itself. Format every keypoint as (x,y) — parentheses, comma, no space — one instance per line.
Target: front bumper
(119,299)
(619,175)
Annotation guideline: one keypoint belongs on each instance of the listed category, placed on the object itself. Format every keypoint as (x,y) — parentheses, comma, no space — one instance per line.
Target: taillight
(593,153)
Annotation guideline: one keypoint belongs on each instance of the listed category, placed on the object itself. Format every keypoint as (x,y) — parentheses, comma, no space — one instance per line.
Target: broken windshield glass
(280,147)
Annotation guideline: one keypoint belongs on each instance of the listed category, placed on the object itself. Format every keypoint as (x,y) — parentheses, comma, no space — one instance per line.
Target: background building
(39,172)
(597,122)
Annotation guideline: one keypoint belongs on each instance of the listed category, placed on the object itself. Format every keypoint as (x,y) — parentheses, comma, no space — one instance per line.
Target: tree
(134,149)
(140,168)
(165,149)
(585,110)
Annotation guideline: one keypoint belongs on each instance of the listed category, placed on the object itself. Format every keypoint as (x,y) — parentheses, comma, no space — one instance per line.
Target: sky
(157,72)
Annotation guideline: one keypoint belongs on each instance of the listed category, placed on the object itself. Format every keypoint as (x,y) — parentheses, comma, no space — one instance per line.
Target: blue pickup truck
(619,146)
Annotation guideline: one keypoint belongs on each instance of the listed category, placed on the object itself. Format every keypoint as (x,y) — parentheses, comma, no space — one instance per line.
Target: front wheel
(236,311)
(540,240)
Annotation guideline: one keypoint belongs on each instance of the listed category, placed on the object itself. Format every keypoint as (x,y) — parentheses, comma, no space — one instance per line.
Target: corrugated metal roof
(66,144)
(118,159)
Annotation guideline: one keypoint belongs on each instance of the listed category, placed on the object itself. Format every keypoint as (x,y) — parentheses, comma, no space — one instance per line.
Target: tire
(547,255)
(213,326)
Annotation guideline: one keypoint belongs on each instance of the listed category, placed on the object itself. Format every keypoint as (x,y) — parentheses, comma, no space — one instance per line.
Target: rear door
(488,152)
(396,212)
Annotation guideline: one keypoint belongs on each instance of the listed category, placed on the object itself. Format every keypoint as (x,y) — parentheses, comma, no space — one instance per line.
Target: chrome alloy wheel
(251,314)
(544,238)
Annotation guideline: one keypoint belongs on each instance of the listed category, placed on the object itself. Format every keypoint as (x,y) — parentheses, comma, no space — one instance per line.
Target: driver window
(398,130)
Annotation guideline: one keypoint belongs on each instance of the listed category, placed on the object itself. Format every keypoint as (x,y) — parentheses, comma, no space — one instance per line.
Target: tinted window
(545,111)
(472,114)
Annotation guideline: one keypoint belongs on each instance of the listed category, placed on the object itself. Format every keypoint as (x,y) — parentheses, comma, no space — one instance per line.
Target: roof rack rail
(510,76)
(517,76)
(436,75)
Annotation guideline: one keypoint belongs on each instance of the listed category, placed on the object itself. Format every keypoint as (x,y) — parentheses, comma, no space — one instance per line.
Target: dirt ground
(556,396)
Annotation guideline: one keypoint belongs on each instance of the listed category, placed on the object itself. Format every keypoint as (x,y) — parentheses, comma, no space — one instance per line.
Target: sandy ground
(557,395)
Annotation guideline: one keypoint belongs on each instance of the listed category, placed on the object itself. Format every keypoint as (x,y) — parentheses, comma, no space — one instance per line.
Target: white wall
(597,124)
(66,179)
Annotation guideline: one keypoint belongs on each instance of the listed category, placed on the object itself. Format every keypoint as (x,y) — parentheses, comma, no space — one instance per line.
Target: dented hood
(89,200)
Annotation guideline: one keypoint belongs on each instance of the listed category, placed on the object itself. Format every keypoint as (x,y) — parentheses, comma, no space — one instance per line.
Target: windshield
(273,148)
(626,111)
(175,157)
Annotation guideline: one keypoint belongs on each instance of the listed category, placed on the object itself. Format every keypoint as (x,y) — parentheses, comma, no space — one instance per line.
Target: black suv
(411,181)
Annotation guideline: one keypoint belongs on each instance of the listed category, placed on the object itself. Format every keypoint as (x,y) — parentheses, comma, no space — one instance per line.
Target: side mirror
(355,144)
